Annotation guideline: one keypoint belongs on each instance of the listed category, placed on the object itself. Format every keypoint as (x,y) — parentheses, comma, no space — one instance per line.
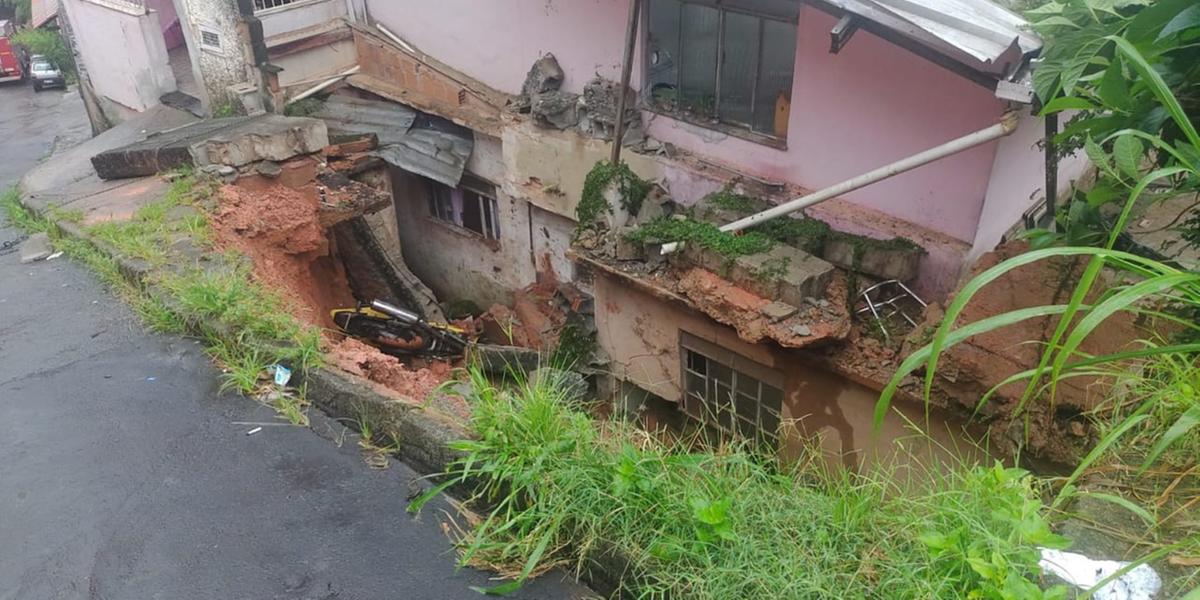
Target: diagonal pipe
(1006,125)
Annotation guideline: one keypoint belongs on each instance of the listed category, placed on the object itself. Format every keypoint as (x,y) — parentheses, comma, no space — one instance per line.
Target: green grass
(557,487)
(256,329)
(149,234)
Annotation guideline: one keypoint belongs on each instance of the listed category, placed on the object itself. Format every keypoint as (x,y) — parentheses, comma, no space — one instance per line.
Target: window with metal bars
(729,392)
(471,205)
(723,62)
(260,5)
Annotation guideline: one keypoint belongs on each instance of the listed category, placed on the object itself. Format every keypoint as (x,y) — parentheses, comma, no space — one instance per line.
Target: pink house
(771,98)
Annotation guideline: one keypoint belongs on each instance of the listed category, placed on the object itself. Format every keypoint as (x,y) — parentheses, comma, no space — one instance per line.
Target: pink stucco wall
(496,42)
(869,105)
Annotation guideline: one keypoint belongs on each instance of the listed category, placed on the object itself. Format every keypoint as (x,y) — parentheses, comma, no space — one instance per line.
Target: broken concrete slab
(778,311)
(161,151)
(36,248)
(267,137)
(556,109)
(886,259)
(544,76)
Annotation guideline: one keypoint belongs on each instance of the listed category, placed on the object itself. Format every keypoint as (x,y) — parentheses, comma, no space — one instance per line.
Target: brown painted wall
(641,333)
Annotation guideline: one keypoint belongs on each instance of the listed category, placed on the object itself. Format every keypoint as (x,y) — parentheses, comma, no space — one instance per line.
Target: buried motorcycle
(399,332)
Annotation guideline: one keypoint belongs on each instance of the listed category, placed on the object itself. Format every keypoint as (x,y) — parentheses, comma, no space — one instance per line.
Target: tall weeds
(559,488)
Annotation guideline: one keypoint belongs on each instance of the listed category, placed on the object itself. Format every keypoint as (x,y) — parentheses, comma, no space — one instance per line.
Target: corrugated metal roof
(978,33)
(417,142)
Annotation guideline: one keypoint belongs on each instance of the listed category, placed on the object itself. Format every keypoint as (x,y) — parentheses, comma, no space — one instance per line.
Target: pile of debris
(594,113)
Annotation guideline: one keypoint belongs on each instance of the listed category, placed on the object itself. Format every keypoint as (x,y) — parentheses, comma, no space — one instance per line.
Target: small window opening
(210,39)
(471,206)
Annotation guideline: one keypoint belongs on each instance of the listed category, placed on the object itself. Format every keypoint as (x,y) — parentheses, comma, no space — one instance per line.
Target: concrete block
(269,137)
(36,248)
(778,311)
(877,258)
(784,273)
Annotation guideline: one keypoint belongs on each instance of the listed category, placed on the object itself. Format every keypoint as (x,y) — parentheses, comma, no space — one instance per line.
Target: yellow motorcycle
(400,332)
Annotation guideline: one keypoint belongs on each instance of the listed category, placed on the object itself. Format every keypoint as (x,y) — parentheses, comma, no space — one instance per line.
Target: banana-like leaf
(1182,426)
(1158,87)
(1118,302)
(925,353)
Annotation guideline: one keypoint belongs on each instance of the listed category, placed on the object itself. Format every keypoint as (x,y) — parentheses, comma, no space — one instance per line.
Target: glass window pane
(698,71)
(694,384)
(662,47)
(739,63)
(747,429)
(774,95)
(747,407)
(696,362)
(721,373)
(771,399)
(747,385)
(472,214)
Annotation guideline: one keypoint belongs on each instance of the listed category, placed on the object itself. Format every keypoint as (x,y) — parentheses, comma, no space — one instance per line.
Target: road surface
(126,474)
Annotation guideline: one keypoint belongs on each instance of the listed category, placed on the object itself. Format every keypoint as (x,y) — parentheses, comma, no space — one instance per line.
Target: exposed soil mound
(397,379)
(278,227)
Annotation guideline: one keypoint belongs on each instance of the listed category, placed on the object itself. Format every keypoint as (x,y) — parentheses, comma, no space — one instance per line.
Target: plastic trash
(254,431)
(282,375)
(1140,583)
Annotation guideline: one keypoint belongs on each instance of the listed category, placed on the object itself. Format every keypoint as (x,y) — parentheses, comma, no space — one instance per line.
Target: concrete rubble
(36,248)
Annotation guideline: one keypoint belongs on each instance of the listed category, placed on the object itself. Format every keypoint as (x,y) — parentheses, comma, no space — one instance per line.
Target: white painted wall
(123,51)
(1018,181)
(281,24)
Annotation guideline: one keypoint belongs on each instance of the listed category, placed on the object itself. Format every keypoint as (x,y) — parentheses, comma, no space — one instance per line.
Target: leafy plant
(633,191)
(1114,64)
(48,43)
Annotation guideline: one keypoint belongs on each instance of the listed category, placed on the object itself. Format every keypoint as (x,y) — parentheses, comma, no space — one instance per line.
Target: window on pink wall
(726,64)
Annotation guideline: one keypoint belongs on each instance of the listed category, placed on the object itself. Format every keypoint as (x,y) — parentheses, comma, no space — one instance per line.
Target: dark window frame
(703,360)
(483,200)
(723,7)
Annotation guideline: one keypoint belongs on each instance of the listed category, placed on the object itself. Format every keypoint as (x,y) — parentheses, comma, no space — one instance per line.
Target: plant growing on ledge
(703,234)
(633,190)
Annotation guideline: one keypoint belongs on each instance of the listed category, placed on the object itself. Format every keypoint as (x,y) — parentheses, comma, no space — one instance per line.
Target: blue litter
(282,375)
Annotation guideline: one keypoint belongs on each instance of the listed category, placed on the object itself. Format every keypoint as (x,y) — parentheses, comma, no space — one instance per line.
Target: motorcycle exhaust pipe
(392,310)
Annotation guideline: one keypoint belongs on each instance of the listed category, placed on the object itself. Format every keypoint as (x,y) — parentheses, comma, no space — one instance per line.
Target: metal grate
(269,4)
(210,39)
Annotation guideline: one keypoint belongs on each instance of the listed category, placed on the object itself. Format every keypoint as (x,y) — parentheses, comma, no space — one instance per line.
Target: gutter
(1006,126)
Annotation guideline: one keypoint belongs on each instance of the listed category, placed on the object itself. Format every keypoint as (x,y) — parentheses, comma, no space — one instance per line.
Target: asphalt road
(125,473)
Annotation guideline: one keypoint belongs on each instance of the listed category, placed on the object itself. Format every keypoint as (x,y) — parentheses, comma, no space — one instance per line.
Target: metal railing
(261,5)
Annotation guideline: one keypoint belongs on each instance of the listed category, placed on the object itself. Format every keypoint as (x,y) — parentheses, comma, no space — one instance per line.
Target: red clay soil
(278,228)
(727,303)
(395,379)
(535,320)
(970,369)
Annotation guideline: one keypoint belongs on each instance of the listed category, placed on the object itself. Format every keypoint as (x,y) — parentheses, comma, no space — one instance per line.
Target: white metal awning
(979,34)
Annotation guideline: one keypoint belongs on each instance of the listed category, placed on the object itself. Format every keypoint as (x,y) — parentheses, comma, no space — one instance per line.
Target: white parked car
(44,74)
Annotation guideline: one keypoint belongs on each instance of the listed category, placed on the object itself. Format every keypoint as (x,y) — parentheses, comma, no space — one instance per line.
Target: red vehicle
(11,68)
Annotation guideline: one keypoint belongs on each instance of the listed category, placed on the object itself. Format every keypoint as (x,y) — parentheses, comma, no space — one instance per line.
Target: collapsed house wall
(122,47)
(456,263)
(868,105)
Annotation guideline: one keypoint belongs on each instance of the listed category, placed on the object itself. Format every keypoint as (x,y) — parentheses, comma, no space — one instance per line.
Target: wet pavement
(128,474)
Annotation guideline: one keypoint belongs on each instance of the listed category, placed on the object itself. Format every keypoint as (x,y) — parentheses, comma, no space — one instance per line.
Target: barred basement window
(471,205)
(730,392)
(723,62)
(260,5)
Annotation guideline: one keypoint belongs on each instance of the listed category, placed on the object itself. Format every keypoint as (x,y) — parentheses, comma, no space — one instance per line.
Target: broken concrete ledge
(423,437)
